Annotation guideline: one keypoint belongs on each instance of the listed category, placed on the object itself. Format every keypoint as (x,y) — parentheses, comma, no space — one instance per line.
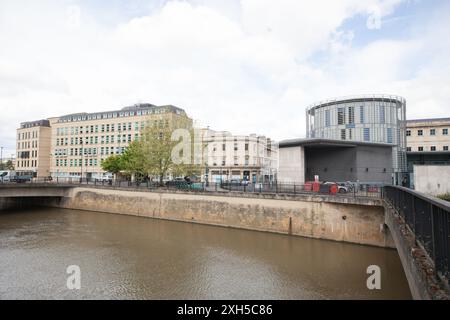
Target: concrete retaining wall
(432,180)
(355,223)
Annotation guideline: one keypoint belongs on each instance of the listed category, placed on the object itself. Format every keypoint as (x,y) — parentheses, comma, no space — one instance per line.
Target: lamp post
(1,156)
(82,152)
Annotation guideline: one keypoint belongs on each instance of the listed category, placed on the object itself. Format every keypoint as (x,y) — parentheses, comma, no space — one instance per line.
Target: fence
(353,190)
(429,220)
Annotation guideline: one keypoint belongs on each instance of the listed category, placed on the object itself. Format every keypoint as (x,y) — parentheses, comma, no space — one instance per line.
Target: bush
(445,196)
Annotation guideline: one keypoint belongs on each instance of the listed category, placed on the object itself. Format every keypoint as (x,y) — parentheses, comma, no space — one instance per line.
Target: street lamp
(82,152)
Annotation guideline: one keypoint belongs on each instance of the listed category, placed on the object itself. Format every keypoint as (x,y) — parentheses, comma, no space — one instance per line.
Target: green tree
(8,165)
(133,159)
(157,145)
(112,164)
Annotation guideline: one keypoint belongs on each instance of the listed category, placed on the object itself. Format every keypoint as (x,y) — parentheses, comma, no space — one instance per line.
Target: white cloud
(245,66)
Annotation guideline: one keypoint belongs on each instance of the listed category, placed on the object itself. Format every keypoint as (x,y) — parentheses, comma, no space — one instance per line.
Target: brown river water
(126,257)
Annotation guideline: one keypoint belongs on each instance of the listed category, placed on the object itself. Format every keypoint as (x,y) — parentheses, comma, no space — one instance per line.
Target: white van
(7,176)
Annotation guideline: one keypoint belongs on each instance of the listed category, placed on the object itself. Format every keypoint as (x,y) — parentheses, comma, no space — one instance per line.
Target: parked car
(340,187)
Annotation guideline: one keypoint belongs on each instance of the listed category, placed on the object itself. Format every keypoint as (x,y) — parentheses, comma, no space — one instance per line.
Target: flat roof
(427,120)
(137,109)
(315,142)
(37,123)
(356,98)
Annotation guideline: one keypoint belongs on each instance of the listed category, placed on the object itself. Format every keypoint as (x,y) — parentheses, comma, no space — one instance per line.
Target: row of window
(432,148)
(26,163)
(108,127)
(349,117)
(28,135)
(95,140)
(27,144)
(347,134)
(89,151)
(433,132)
(236,147)
(76,162)
(236,161)
(112,115)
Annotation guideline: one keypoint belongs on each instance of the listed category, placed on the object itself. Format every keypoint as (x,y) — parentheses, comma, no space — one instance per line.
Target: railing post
(433,249)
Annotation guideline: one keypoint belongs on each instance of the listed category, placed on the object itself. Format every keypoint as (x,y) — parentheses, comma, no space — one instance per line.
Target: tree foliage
(8,165)
(151,155)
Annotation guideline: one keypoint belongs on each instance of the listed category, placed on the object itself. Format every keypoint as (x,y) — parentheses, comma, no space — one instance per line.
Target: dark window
(361,114)
(420,132)
(341,116)
(408,133)
(342,134)
(389,135)
(351,115)
(433,148)
(366,134)
(420,148)
(382,114)
(432,132)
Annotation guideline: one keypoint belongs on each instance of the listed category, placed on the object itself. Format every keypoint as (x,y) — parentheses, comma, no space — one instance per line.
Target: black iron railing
(429,220)
(347,190)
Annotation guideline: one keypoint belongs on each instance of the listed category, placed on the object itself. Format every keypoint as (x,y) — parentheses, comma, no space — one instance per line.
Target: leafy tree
(8,165)
(133,159)
(157,145)
(112,164)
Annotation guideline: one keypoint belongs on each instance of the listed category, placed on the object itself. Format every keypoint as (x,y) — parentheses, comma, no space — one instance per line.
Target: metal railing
(429,220)
(360,190)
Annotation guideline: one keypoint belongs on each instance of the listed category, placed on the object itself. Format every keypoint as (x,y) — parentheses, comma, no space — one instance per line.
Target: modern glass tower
(364,118)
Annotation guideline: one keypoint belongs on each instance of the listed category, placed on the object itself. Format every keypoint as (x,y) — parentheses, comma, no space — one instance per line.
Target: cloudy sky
(239,65)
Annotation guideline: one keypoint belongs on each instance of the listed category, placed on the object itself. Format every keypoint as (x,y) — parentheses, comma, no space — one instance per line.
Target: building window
(342,134)
(420,133)
(408,133)
(445,148)
(445,132)
(433,148)
(366,134)
(389,135)
(351,115)
(408,149)
(327,118)
(361,114)
(341,116)
(382,114)
(420,149)
(432,132)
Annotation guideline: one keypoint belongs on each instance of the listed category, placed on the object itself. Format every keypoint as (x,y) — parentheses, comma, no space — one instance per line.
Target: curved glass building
(364,118)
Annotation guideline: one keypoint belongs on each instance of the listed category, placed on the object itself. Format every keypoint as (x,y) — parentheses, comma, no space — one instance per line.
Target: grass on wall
(445,196)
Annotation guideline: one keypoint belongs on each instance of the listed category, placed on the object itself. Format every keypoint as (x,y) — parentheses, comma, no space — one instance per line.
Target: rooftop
(427,120)
(130,111)
(357,98)
(314,142)
(37,123)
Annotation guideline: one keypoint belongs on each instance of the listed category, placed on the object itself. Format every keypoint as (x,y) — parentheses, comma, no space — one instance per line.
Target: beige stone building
(428,135)
(33,149)
(250,158)
(77,144)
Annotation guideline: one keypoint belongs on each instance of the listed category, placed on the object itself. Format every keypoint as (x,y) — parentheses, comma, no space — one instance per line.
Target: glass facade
(372,118)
